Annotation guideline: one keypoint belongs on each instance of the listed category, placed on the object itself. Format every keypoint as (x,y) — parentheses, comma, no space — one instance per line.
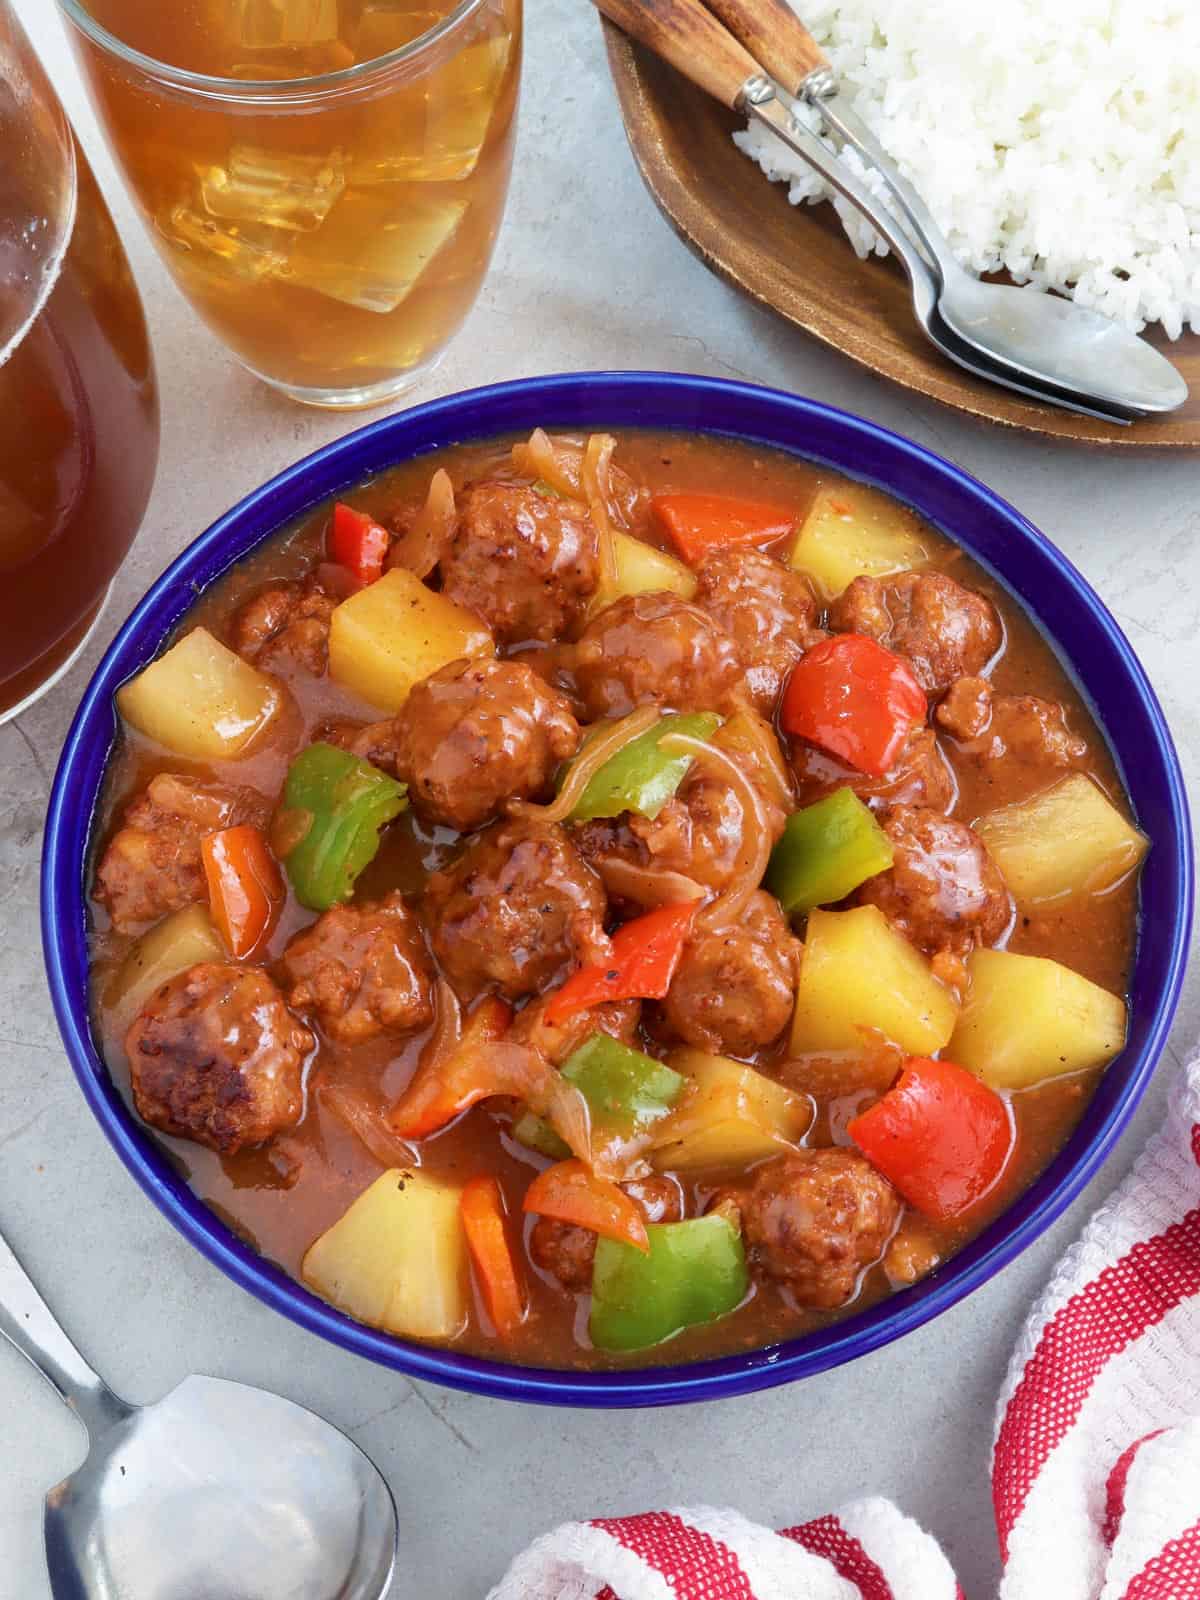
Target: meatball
(567,1252)
(477,734)
(1009,727)
(943,891)
(697,834)
(527,563)
(363,969)
(967,708)
(516,912)
(654,649)
(555,1041)
(153,863)
(768,610)
(286,625)
(920,777)
(735,987)
(216,1056)
(944,630)
(815,1220)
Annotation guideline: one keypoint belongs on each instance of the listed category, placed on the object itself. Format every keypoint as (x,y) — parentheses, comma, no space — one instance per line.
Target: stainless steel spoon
(217,1492)
(1049,341)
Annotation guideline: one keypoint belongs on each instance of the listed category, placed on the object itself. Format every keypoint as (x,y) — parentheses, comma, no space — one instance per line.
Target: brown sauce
(281,1197)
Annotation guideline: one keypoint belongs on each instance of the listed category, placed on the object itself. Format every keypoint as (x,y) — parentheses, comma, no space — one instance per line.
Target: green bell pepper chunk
(826,850)
(641,777)
(625,1090)
(695,1272)
(346,801)
(535,1133)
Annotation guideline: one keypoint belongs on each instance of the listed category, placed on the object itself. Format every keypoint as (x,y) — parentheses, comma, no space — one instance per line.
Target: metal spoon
(217,1492)
(1042,337)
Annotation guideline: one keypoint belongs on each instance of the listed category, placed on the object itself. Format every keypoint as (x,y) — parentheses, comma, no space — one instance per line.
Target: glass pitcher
(78,400)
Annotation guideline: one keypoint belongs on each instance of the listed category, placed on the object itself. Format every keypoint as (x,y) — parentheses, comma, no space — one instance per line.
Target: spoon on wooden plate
(1041,345)
(217,1492)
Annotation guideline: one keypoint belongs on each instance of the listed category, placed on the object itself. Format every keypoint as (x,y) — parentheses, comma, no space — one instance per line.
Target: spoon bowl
(219,1491)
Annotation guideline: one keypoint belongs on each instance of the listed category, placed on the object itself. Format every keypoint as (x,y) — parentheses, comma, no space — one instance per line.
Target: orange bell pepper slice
(245,888)
(940,1135)
(358,542)
(443,1089)
(645,954)
(482,1209)
(855,699)
(571,1192)
(698,524)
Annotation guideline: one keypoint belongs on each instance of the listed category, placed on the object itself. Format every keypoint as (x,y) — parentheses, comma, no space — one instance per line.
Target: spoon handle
(27,1322)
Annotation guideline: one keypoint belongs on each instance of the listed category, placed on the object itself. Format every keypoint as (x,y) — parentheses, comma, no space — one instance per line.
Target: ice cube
(284,24)
(388,25)
(442,139)
(372,249)
(278,191)
(234,248)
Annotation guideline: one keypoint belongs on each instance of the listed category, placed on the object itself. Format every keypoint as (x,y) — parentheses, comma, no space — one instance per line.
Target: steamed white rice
(1058,139)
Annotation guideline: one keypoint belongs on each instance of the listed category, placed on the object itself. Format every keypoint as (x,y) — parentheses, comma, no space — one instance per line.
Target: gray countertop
(587,275)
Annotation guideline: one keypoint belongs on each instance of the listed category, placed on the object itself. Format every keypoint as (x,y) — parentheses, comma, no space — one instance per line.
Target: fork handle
(683,33)
(775,37)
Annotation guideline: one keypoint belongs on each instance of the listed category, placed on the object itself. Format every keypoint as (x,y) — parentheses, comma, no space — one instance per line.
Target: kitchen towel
(1095,1464)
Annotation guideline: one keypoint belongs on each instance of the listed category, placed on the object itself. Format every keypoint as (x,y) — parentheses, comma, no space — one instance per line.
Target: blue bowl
(1105,670)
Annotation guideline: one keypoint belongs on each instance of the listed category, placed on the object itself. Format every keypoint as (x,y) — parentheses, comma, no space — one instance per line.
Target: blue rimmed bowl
(1068,612)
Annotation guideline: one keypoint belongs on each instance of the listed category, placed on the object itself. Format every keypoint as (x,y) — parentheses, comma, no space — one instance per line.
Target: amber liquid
(78,441)
(337,247)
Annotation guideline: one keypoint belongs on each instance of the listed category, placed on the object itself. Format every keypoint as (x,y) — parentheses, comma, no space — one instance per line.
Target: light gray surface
(587,275)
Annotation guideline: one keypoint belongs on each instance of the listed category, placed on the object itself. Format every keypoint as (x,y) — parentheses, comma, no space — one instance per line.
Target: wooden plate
(797,260)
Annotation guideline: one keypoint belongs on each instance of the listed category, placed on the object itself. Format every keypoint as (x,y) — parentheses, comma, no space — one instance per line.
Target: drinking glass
(325,179)
(78,402)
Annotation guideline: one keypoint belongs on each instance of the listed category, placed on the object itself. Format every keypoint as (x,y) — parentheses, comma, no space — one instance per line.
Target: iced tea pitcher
(324,179)
(78,403)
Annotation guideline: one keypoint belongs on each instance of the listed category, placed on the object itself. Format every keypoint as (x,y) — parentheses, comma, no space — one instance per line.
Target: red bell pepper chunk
(855,699)
(645,953)
(358,542)
(443,1089)
(940,1135)
(569,1192)
(697,524)
(482,1209)
(245,889)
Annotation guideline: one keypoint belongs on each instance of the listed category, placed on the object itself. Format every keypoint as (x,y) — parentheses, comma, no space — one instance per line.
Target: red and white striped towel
(1095,1470)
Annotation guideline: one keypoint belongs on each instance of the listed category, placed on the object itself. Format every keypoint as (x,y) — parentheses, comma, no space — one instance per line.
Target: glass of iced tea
(78,403)
(325,179)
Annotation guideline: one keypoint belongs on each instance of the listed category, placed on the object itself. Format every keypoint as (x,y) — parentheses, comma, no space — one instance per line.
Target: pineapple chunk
(200,700)
(1070,839)
(180,941)
(858,972)
(642,567)
(392,634)
(851,530)
(397,1259)
(1026,1018)
(730,1116)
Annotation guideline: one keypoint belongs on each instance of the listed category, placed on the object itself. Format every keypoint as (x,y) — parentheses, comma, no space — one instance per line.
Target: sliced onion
(426,542)
(599,749)
(366,1122)
(647,886)
(597,487)
(558,462)
(760,742)
(754,850)
(448,1029)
